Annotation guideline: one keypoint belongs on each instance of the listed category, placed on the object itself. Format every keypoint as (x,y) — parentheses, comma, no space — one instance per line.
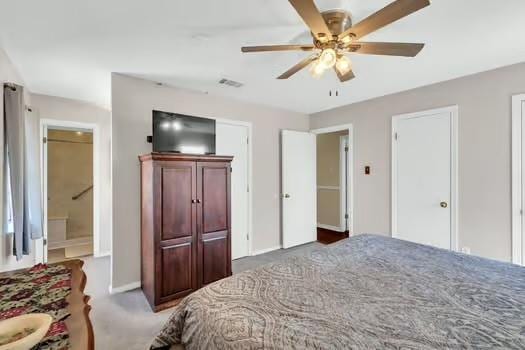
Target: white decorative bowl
(39,322)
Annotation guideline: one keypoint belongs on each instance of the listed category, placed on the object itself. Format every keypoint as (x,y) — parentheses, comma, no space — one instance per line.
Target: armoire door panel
(214,259)
(213,222)
(176,275)
(214,199)
(177,194)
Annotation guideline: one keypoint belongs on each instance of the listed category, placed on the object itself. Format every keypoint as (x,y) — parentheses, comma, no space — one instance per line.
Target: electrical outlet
(465,250)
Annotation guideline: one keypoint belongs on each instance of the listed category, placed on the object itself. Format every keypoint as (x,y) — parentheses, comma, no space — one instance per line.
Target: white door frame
(350,180)
(454,111)
(518,197)
(250,175)
(45,123)
(343,179)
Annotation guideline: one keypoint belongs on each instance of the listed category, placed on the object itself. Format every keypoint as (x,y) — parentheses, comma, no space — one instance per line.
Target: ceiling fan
(334,36)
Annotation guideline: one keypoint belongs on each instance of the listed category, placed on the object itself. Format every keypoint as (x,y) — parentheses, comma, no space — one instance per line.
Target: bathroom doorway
(68,184)
(335,179)
(332,181)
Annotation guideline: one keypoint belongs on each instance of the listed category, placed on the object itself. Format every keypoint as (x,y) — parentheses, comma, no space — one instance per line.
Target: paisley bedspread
(367,292)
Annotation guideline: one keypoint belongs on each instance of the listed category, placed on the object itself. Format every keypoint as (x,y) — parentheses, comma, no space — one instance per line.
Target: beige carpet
(125,320)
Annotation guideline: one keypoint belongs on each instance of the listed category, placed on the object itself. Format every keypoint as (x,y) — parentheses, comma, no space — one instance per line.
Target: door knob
(286,195)
(194,201)
(443,204)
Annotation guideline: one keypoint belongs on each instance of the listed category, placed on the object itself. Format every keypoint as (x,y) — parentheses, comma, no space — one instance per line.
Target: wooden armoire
(185,224)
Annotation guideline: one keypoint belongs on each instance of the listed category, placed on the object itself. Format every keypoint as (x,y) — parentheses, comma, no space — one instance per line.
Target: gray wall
(484,102)
(132,103)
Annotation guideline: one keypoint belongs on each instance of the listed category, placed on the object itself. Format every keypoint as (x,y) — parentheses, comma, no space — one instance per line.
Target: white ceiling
(69,48)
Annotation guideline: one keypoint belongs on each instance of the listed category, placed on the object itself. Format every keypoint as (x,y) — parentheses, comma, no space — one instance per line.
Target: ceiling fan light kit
(334,36)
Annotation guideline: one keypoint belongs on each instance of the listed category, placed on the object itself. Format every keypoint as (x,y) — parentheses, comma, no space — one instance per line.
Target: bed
(366,292)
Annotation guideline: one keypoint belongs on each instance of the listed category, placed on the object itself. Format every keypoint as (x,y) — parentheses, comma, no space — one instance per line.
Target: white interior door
(422,178)
(232,140)
(518,179)
(299,188)
(522,238)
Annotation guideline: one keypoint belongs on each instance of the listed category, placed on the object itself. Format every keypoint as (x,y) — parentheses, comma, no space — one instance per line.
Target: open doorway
(334,185)
(68,183)
(332,195)
(301,213)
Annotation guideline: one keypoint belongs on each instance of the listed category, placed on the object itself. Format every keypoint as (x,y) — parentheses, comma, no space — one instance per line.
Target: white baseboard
(124,288)
(330,227)
(262,251)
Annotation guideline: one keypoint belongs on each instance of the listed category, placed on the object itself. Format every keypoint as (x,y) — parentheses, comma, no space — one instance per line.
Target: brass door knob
(443,204)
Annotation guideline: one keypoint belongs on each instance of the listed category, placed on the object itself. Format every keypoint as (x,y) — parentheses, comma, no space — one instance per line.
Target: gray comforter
(367,292)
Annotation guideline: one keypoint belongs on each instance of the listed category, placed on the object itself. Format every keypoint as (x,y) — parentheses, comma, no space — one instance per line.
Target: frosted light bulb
(317,69)
(328,58)
(343,65)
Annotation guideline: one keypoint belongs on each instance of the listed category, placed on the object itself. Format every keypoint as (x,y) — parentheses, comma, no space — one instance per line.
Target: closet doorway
(232,138)
(424,177)
(69,185)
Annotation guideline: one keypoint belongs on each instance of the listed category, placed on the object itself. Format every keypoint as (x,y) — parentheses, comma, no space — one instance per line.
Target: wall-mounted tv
(180,133)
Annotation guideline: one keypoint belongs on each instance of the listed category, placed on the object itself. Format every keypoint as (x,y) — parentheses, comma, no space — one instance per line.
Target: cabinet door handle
(198,200)
(194,201)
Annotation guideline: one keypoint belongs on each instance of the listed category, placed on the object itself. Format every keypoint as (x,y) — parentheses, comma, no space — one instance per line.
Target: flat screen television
(180,133)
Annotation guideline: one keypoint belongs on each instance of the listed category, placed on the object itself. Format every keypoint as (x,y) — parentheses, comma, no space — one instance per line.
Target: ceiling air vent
(232,83)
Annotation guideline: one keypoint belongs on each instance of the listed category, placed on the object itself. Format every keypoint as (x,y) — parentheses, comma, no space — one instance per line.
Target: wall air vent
(232,83)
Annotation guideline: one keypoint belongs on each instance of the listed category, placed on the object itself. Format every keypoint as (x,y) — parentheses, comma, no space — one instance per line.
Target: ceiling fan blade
(304,63)
(277,48)
(344,77)
(313,18)
(389,14)
(387,49)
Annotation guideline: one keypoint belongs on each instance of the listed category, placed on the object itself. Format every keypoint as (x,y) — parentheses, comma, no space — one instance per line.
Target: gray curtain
(34,186)
(15,159)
